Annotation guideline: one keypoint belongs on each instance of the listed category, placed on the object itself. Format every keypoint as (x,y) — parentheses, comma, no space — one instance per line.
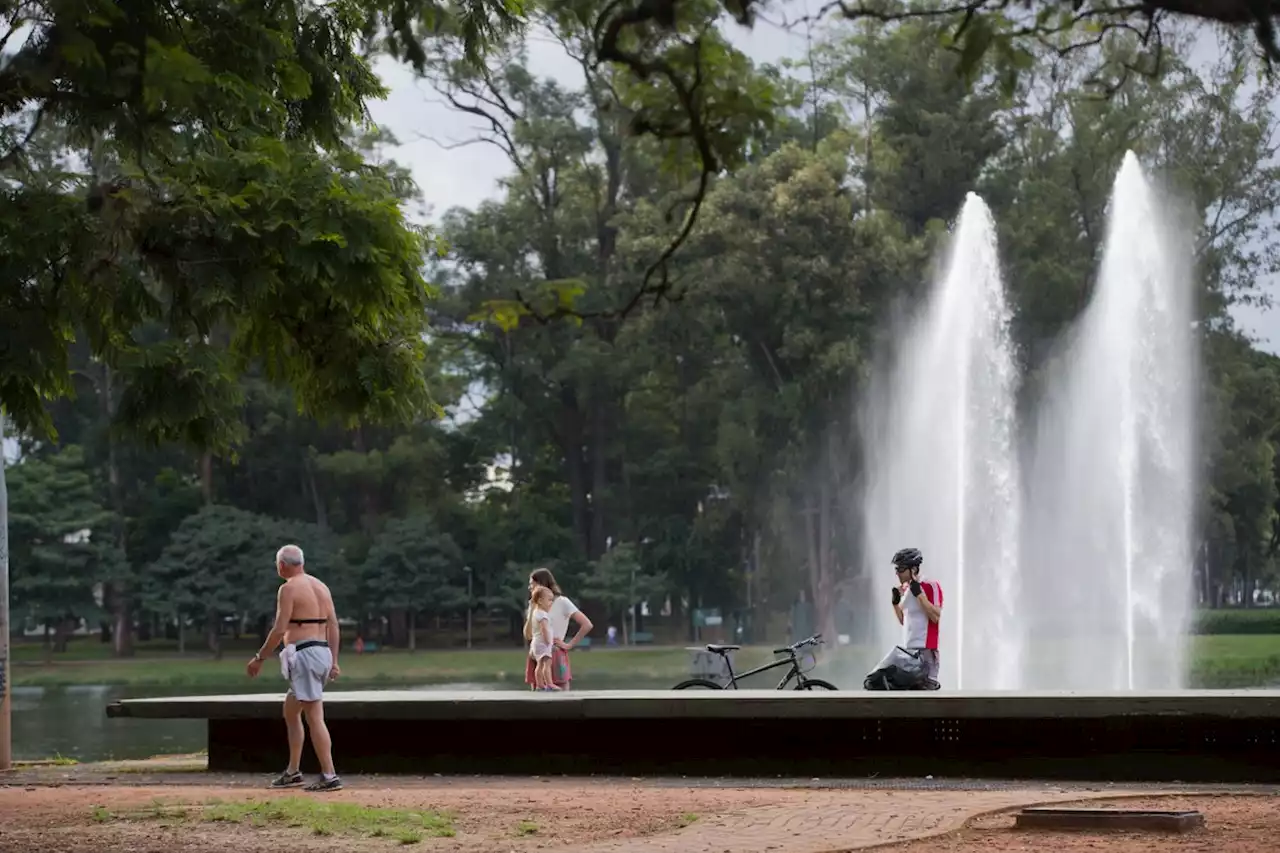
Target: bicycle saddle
(719,649)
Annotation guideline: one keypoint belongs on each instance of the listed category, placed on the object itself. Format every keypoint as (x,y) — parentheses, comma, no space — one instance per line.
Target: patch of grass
(595,668)
(58,760)
(166,813)
(156,810)
(333,818)
(1235,660)
(526,827)
(319,818)
(686,819)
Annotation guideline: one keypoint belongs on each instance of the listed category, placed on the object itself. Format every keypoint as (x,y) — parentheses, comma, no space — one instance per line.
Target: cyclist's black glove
(897,595)
(915,588)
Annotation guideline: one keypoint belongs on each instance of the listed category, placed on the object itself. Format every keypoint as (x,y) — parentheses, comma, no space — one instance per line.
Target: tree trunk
(867,149)
(1206,576)
(63,634)
(811,547)
(1248,580)
(213,635)
(322,517)
(6,627)
(368,500)
(182,636)
(599,479)
(413,631)
(122,630)
(824,602)
(206,477)
(625,510)
(571,441)
(396,627)
(116,592)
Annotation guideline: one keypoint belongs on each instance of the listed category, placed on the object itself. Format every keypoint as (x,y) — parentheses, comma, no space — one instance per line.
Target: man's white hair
(290,555)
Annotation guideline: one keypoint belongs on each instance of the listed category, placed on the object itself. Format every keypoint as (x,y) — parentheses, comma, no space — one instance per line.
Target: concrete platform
(1200,736)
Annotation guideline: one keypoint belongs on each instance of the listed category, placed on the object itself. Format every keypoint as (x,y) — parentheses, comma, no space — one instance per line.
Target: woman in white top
(563,611)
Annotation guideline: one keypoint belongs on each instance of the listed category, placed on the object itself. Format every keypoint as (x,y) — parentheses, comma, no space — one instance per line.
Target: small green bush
(1237,621)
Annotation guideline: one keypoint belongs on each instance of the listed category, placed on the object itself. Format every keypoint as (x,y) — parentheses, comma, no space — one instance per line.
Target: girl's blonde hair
(533,600)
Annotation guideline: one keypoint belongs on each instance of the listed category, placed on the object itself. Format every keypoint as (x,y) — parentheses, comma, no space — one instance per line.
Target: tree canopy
(181,196)
(640,363)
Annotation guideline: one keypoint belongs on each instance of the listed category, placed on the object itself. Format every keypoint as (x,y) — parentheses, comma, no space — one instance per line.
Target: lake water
(72,721)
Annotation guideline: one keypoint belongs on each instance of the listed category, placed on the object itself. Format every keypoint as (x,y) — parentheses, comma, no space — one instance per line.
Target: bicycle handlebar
(794,647)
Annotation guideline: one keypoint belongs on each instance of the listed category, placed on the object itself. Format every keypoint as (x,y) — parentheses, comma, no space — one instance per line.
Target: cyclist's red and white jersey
(921,633)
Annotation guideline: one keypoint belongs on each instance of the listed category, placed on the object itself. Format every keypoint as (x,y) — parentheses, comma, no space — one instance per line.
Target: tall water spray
(942,466)
(1107,550)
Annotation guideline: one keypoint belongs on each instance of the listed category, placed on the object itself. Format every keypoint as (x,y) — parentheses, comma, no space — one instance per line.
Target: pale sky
(465,176)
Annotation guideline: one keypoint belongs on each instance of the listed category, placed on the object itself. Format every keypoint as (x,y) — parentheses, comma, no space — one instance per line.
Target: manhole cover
(1143,819)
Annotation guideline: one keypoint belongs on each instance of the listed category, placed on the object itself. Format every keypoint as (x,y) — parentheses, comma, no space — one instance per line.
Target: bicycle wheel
(698,684)
(816,684)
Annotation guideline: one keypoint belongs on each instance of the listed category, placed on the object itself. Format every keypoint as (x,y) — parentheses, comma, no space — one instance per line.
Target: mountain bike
(792,659)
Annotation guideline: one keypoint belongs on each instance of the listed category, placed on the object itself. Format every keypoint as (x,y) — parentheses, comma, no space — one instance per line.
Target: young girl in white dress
(541,642)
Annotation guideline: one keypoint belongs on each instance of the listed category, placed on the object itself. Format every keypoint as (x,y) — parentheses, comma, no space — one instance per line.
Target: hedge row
(1237,621)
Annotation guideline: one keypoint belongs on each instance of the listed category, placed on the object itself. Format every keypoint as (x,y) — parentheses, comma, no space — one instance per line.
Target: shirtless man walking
(308,626)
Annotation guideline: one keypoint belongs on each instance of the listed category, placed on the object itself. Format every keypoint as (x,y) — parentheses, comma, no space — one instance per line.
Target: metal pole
(6,745)
(469,606)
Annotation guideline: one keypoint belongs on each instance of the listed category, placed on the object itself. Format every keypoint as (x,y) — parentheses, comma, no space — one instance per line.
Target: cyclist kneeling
(918,605)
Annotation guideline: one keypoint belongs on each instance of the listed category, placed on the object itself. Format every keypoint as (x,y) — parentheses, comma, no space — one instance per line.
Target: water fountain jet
(1111,480)
(942,466)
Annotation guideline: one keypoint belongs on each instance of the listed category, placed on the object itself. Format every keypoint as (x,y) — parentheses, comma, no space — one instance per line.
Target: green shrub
(1237,621)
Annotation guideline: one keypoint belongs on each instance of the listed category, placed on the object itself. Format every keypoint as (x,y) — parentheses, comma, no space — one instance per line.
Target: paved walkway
(840,821)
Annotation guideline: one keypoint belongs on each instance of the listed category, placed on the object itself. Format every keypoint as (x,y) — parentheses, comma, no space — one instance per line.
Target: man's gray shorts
(309,669)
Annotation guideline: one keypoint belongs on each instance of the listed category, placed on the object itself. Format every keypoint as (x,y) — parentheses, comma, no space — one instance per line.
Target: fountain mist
(1107,556)
(941,463)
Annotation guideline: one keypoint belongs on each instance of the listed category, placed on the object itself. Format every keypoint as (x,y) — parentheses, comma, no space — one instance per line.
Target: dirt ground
(1233,824)
(516,816)
(519,816)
